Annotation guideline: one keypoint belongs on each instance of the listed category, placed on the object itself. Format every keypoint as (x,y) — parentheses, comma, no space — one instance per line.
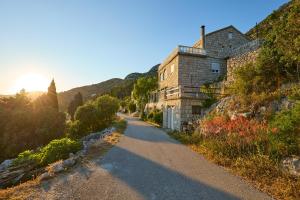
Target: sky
(82,42)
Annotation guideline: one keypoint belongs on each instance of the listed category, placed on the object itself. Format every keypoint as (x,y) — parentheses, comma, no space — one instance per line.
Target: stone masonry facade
(186,69)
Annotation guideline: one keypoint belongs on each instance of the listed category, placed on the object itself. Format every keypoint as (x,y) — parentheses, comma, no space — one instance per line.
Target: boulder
(5,164)
(45,176)
(56,167)
(69,162)
(292,165)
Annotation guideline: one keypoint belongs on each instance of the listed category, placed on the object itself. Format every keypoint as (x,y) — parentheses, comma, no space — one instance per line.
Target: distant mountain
(116,87)
(265,26)
(136,75)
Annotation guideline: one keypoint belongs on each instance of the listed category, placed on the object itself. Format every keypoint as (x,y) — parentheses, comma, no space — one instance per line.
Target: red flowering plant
(236,136)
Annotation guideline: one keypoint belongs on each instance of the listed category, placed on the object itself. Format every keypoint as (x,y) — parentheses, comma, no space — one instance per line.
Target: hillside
(116,87)
(266,25)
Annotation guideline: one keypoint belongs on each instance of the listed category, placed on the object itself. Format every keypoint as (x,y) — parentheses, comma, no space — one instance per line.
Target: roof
(222,29)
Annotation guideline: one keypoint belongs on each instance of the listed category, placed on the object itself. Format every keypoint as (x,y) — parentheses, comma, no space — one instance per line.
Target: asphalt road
(148,164)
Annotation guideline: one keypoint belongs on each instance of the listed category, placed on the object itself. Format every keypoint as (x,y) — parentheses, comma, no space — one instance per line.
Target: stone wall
(219,41)
(170,78)
(238,61)
(194,71)
(186,109)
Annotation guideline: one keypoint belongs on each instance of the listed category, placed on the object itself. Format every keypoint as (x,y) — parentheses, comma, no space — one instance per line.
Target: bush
(59,149)
(93,116)
(285,138)
(132,107)
(54,151)
(158,117)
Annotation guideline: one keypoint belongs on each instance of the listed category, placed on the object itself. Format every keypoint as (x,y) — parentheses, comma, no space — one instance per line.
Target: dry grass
(25,190)
(102,146)
(258,170)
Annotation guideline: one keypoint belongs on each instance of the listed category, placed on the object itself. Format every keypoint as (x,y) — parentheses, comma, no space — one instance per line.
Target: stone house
(187,68)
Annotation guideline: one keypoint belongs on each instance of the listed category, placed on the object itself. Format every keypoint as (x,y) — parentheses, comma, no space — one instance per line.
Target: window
(215,67)
(230,35)
(196,110)
(161,77)
(172,68)
(165,74)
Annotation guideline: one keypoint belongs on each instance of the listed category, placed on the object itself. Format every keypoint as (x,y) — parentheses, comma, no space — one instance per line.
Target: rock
(245,114)
(113,129)
(69,162)
(18,178)
(71,155)
(56,167)
(292,165)
(6,164)
(286,104)
(45,176)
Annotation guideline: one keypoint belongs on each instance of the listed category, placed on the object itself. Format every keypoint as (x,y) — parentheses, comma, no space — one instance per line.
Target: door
(170,118)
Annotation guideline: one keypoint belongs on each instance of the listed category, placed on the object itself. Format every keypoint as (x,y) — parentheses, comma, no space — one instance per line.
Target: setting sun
(31,82)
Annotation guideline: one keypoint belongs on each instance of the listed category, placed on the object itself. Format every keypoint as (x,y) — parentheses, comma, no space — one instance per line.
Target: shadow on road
(154,181)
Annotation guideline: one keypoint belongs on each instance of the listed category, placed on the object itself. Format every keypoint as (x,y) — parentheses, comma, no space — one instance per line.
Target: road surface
(148,164)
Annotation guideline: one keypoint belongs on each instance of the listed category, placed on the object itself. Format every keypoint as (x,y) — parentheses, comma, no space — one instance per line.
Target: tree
(107,107)
(141,90)
(87,115)
(52,95)
(74,104)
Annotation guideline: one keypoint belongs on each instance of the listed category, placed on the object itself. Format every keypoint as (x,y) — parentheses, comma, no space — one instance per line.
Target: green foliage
(155,116)
(93,116)
(74,104)
(56,150)
(278,60)
(120,125)
(26,124)
(52,96)
(285,139)
(142,89)
(88,117)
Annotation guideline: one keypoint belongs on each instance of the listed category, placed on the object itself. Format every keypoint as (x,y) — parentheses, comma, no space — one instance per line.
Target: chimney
(203,36)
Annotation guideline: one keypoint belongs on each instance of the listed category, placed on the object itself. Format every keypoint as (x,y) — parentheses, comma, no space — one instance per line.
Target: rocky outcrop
(292,165)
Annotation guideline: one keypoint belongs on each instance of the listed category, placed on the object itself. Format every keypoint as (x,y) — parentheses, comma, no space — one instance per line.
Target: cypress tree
(52,95)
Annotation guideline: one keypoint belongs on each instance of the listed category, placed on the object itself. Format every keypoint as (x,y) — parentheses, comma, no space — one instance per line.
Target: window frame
(196,110)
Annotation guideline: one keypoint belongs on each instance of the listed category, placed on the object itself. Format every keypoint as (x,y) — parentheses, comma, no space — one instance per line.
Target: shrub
(237,137)
(150,115)
(55,150)
(26,157)
(76,130)
(132,107)
(285,138)
(87,115)
(158,117)
(59,149)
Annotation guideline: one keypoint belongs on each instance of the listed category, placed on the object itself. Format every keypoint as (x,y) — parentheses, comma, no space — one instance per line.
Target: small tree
(142,89)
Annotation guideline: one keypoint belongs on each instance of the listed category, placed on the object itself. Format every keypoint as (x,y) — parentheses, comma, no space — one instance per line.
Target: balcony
(184,50)
(182,92)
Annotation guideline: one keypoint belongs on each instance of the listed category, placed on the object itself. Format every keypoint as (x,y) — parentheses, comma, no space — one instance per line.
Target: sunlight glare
(31,82)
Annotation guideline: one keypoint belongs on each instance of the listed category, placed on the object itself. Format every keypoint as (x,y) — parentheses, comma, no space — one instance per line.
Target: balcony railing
(179,92)
(184,50)
(191,50)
